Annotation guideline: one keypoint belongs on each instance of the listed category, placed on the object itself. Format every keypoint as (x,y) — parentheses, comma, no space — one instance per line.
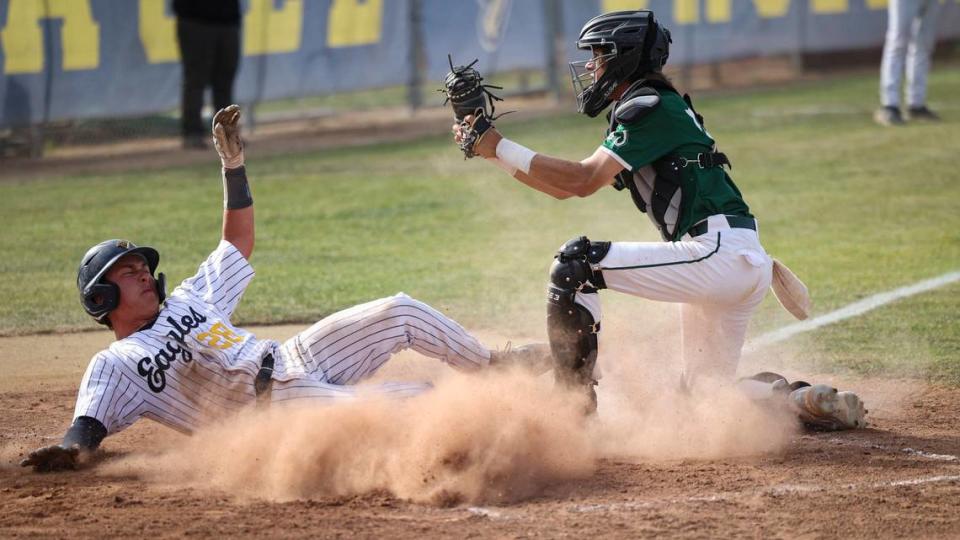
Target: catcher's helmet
(633,43)
(98,296)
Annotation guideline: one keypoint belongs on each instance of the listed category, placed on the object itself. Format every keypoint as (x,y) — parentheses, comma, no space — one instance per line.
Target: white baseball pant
(325,360)
(911,34)
(719,278)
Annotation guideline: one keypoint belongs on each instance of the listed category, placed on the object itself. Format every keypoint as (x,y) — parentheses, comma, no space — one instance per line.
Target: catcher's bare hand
(485,146)
(226,136)
(53,458)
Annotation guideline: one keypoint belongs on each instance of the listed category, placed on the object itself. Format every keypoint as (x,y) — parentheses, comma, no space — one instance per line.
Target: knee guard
(571,327)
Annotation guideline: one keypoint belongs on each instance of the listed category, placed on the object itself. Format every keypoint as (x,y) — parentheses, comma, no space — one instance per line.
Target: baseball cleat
(922,113)
(888,116)
(780,383)
(535,358)
(821,407)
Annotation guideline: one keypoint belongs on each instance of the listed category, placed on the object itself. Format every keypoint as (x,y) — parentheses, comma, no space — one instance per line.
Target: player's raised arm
(238,224)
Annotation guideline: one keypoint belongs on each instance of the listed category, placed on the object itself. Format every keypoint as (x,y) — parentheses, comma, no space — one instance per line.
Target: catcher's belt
(264,379)
(706,160)
(735,222)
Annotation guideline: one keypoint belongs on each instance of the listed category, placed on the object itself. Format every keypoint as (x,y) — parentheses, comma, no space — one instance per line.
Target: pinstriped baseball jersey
(191,364)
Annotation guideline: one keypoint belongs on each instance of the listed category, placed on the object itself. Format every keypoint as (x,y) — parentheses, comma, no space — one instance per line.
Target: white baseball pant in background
(911,34)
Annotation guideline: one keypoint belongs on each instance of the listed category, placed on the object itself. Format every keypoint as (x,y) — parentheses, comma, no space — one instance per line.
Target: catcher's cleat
(535,358)
(821,407)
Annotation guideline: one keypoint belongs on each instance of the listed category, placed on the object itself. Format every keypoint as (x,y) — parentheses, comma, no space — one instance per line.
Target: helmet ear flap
(100,299)
(161,287)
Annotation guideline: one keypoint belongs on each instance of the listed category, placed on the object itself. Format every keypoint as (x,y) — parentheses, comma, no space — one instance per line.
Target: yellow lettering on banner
(270,30)
(830,6)
(354,22)
(22,38)
(686,11)
(719,11)
(769,9)
(623,5)
(158,33)
(877,4)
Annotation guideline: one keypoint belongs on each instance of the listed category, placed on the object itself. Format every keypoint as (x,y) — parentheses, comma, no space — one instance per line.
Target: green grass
(853,208)
(398,95)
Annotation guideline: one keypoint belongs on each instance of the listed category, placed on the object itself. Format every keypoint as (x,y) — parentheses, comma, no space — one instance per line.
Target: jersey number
(219,337)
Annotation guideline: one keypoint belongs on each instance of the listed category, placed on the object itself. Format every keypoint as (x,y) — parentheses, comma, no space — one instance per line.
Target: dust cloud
(483,438)
(490,438)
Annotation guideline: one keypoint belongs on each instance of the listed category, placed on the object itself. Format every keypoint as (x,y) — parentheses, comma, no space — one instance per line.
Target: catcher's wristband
(236,189)
(515,155)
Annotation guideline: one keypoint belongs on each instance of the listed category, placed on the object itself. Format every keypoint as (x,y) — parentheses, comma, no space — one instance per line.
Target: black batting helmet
(98,296)
(633,43)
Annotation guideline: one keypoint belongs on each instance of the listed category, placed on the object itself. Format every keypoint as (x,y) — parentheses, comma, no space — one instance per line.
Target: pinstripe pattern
(192,365)
(181,371)
(347,346)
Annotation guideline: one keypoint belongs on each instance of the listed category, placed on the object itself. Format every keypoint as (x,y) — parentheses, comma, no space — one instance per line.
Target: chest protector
(655,189)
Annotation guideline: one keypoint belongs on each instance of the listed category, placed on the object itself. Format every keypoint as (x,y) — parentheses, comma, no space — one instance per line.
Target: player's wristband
(86,432)
(515,155)
(236,189)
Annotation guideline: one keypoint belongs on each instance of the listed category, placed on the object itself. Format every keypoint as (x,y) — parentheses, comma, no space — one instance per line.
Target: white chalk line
(911,451)
(779,489)
(852,310)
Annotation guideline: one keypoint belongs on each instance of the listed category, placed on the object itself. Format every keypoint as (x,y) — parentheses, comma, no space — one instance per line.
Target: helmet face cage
(636,43)
(583,74)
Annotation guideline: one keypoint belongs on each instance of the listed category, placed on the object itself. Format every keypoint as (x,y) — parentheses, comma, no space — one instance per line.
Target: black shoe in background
(922,113)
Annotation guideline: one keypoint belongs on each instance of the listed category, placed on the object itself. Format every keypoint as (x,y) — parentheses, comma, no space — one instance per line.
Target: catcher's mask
(632,44)
(97,295)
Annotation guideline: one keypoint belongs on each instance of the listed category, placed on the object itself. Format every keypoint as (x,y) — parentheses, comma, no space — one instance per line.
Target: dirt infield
(484,457)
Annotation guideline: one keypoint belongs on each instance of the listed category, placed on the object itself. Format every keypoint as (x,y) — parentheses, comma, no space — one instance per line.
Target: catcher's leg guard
(571,327)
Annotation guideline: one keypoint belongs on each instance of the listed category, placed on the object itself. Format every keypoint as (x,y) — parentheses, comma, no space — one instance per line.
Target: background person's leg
(920,52)
(196,59)
(900,13)
(224,69)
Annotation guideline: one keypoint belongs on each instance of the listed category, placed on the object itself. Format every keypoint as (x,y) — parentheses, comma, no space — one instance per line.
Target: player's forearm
(557,177)
(530,181)
(238,222)
(567,176)
(238,229)
(542,187)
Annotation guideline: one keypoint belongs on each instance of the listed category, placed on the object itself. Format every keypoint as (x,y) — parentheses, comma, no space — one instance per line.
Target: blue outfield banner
(68,59)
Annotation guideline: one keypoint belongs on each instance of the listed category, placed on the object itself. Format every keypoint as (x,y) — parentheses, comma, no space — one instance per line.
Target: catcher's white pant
(719,279)
(323,361)
(911,34)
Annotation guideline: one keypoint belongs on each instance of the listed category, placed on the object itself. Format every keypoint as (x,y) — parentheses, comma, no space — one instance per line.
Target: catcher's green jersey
(674,198)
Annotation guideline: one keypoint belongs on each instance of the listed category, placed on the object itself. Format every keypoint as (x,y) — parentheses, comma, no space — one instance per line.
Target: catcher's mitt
(468,95)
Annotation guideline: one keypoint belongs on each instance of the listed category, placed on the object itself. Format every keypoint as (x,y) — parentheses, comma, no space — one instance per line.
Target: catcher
(658,151)
(179,360)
